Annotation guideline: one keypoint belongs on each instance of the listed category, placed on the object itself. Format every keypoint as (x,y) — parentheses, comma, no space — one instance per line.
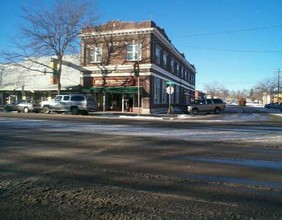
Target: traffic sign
(170,90)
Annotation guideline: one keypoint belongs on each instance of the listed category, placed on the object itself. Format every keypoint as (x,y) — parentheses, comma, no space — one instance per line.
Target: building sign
(114,81)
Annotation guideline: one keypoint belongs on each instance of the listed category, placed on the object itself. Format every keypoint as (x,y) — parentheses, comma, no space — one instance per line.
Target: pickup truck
(205,105)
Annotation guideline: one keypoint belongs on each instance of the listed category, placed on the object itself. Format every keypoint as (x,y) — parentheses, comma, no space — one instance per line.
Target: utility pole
(278,84)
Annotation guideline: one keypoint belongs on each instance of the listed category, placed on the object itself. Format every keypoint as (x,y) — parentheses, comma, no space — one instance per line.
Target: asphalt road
(75,167)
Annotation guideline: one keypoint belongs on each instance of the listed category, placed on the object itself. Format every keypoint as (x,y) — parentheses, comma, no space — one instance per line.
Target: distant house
(110,52)
(37,83)
(199,95)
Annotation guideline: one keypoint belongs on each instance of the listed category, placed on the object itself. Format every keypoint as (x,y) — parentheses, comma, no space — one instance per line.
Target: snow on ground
(208,133)
(232,113)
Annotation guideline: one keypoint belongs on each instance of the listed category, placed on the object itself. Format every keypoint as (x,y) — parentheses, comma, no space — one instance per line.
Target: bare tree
(266,86)
(51,31)
(223,93)
(212,89)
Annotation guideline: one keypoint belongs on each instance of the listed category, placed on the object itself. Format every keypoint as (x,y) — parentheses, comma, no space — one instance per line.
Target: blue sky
(234,42)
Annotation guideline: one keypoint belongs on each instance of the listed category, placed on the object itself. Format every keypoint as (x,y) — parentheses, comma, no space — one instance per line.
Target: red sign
(114,81)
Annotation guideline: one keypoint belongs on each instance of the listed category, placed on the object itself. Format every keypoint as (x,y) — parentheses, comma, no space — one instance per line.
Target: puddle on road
(244,162)
(237,180)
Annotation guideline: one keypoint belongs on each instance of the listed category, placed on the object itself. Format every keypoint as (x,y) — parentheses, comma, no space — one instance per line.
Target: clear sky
(234,42)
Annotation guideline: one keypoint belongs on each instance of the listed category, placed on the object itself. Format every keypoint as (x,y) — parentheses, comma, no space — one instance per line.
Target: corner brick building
(109,52)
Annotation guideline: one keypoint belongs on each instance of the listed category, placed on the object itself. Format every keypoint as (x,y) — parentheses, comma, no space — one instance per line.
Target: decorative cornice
(118,32)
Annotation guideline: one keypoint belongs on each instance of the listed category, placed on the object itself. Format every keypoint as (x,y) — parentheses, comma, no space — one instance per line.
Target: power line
(230,31)
(233,50)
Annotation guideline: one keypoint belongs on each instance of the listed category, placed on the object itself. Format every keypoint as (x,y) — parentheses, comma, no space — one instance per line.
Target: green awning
(120,90)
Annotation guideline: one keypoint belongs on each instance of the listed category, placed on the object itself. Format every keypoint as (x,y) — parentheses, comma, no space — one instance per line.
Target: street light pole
(278,85)
(138,95)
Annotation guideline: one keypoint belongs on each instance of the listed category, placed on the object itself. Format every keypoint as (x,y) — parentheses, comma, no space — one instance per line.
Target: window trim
(157,54)
(97,52)
(165,59)
(136,53)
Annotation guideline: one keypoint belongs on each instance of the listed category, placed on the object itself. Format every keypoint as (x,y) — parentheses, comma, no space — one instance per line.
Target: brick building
(109,52)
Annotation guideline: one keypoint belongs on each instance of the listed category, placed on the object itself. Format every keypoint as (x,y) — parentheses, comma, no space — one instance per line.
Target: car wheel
(74,111)
(195,111)
(46,110)
(25,110)
(217,110)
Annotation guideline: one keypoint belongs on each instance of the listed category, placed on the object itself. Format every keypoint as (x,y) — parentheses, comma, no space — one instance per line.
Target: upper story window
(193,79)
(177,68)
(157,54)
(165,59)
(189,77)
(172,65)
(95,55)
(182,72)
(133,52)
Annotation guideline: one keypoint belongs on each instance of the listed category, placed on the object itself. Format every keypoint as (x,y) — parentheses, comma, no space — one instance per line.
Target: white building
(38,82)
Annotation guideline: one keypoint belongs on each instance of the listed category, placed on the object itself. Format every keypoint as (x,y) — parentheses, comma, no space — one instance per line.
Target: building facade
(109,53)
(36,81)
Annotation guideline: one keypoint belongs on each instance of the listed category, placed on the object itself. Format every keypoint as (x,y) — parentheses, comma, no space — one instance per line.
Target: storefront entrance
(123,99)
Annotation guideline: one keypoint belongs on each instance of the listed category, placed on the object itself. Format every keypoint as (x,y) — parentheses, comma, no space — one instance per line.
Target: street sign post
(170,90)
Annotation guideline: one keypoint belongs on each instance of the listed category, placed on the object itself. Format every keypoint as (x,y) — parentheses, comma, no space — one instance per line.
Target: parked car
(205,105)
(73,103)
(274,106)
(23,106)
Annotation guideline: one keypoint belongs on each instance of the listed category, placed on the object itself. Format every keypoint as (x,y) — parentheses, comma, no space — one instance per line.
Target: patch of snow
(209,133)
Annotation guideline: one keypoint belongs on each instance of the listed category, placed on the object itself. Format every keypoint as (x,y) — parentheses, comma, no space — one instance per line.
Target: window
(189,77)
(209,101)
(157,89)
(133,52)
(172,65)
(192,78)
(185,75)
(176,94)
(66,98)
(77,98)
(95,55)
(165,58)
(164,94)
(177,68)
(157,54)
(218,101)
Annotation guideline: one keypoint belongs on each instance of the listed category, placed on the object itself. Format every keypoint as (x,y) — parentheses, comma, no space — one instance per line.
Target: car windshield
(58,98)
